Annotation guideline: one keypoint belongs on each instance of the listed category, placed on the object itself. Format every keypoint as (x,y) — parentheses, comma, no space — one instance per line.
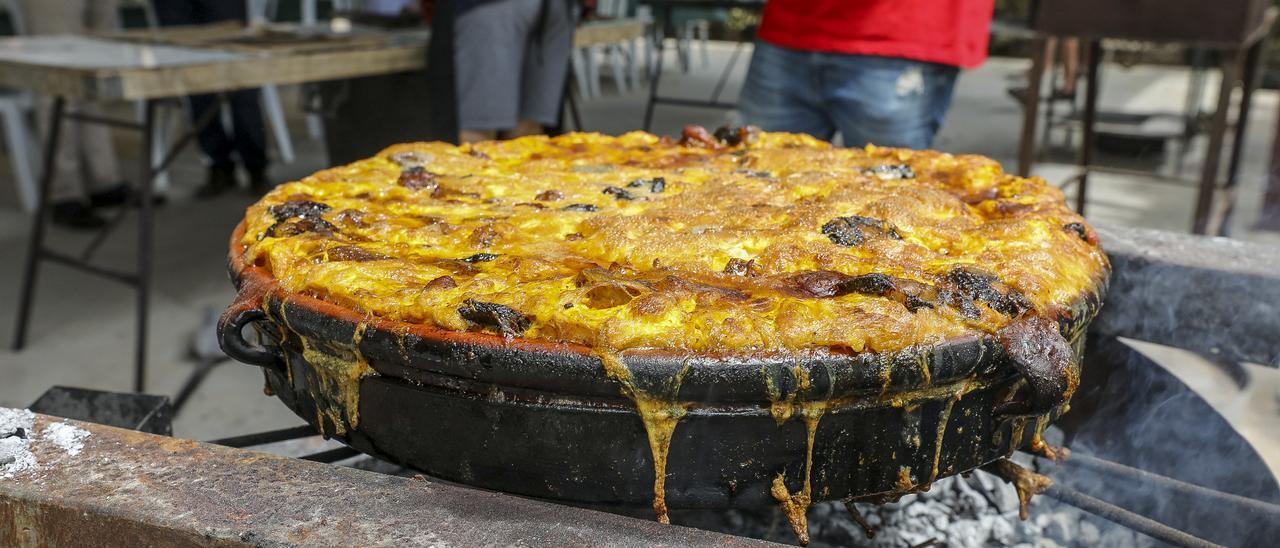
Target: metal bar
(1090,116)
(36,243)
(724,76)
(171,154)
(194,381)
(270,436)
(122,277)
(1217,133)
(1120,516)
(1262,510)
(103,120)
(659,38)
(1251,78)
(146,220)
(332,455)
(1031,108)
(694,102)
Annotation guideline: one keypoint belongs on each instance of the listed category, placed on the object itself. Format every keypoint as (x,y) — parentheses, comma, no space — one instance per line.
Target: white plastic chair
(15,115)
(621,57)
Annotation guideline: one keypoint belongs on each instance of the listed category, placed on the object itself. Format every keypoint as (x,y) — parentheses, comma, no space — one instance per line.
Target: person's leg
(249,133)
(489,41)
(780,93)
(213,139)
(886,101)
(546,65)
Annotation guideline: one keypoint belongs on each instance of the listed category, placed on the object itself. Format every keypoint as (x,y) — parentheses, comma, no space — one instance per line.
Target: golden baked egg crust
(738,242)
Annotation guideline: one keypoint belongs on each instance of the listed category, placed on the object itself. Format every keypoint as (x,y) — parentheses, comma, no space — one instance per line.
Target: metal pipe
(1116,514)
(270,436)
(27,295)
(1261,509)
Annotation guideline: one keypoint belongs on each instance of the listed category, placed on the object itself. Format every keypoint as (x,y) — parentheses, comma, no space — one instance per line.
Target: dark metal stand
(658,35)
(1240,68)
(140,279)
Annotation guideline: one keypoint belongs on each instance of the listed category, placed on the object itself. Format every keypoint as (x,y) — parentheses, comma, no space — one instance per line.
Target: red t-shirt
(950,32)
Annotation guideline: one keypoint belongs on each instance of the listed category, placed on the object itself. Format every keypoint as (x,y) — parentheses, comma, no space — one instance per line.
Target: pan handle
(231,339)
(1045,360)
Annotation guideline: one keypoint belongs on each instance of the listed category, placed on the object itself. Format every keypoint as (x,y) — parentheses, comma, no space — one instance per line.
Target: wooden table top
(180,61)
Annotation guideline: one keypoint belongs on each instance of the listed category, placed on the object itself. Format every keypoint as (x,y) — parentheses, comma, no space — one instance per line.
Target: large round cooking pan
(544,419)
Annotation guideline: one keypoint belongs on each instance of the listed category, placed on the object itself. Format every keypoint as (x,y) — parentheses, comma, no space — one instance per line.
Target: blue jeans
(881,100)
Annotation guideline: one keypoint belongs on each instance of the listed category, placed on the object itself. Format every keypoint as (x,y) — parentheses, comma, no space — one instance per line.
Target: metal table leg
(659,41)
(1217,134)
(139,280)
(1088,135)
(1031,108)
(36,242)
(1250,79)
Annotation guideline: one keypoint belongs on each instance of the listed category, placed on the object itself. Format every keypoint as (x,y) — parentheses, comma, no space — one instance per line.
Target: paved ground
(83,329)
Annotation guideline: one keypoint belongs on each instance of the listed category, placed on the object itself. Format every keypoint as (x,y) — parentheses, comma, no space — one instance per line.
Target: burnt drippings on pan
(1082,231)
(851,230)
(587,208)
(297,208)
(1044,357)
(617,192)
(656,184)
(480,258)
(353,253)
(418,178)
(890,172)
(734,136)
(985,286)
(505,319)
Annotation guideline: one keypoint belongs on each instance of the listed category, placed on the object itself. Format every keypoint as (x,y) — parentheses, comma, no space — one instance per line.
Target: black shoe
(259,183)
(75,214)
(119,194)
(220,180)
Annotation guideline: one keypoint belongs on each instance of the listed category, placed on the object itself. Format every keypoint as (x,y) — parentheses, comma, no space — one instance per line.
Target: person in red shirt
(875,71)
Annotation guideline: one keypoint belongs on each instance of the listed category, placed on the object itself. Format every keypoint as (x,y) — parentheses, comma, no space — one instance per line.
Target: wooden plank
(271,69)
(607,32)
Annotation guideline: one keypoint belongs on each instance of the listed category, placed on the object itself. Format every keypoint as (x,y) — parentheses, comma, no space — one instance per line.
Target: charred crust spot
(890,172)
(695,135)
(982,285)
(618,193)
(848,231)
(505,319)
(302,225)
(586,208)
(353,253)
(867,284)
(739,267)
(815,283)
(656,184)
(573,236)
(480,258)
(477,154)
(842,232)
(1082,231)
(417,178)
(549,196)
(443,282)
(297,208)
(734,136)
(534,205)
